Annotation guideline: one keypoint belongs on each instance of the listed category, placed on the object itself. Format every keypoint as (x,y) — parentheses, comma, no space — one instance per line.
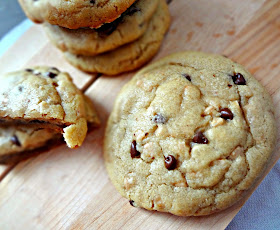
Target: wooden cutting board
(69,189)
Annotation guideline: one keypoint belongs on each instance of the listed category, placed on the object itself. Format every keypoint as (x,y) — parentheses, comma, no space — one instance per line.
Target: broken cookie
(20,142)
(44,97)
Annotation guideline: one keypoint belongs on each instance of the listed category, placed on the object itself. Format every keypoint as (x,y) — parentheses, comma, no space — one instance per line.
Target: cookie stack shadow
(125,43)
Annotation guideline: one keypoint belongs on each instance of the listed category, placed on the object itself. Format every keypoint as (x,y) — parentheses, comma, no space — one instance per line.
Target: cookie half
(189,135)
(127,28)
(45,98)
(75,14)
(131,55)
(21,142)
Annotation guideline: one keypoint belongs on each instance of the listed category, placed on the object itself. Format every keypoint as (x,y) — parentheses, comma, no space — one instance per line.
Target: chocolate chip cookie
(75,14)
(189,135)
(21,142)
(45,98)
(131,55)
(127,28)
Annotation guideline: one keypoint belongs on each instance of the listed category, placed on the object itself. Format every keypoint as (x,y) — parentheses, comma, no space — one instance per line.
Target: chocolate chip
(29,70)
(168,1)
(200,138)
(20,88)
(229,85)
(92,1)
(108,28)
(50,74)
(170,162)
(131,203)
(131,10)
(238,79)
(158,118)
(14,139)
(226,114)
(133,151)
(188,77)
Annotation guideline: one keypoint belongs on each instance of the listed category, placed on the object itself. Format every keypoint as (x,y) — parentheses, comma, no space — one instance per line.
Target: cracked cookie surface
(75,14)
(46,98)
(131,55)
(127,28)
(189,135)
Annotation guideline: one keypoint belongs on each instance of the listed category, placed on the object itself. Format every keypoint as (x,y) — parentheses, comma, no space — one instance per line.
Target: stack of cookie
(39,106)
(108,37)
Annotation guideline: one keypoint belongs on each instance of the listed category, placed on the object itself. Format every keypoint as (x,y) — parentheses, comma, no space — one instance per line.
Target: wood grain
(23,49)
(69,189)
(259,52)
